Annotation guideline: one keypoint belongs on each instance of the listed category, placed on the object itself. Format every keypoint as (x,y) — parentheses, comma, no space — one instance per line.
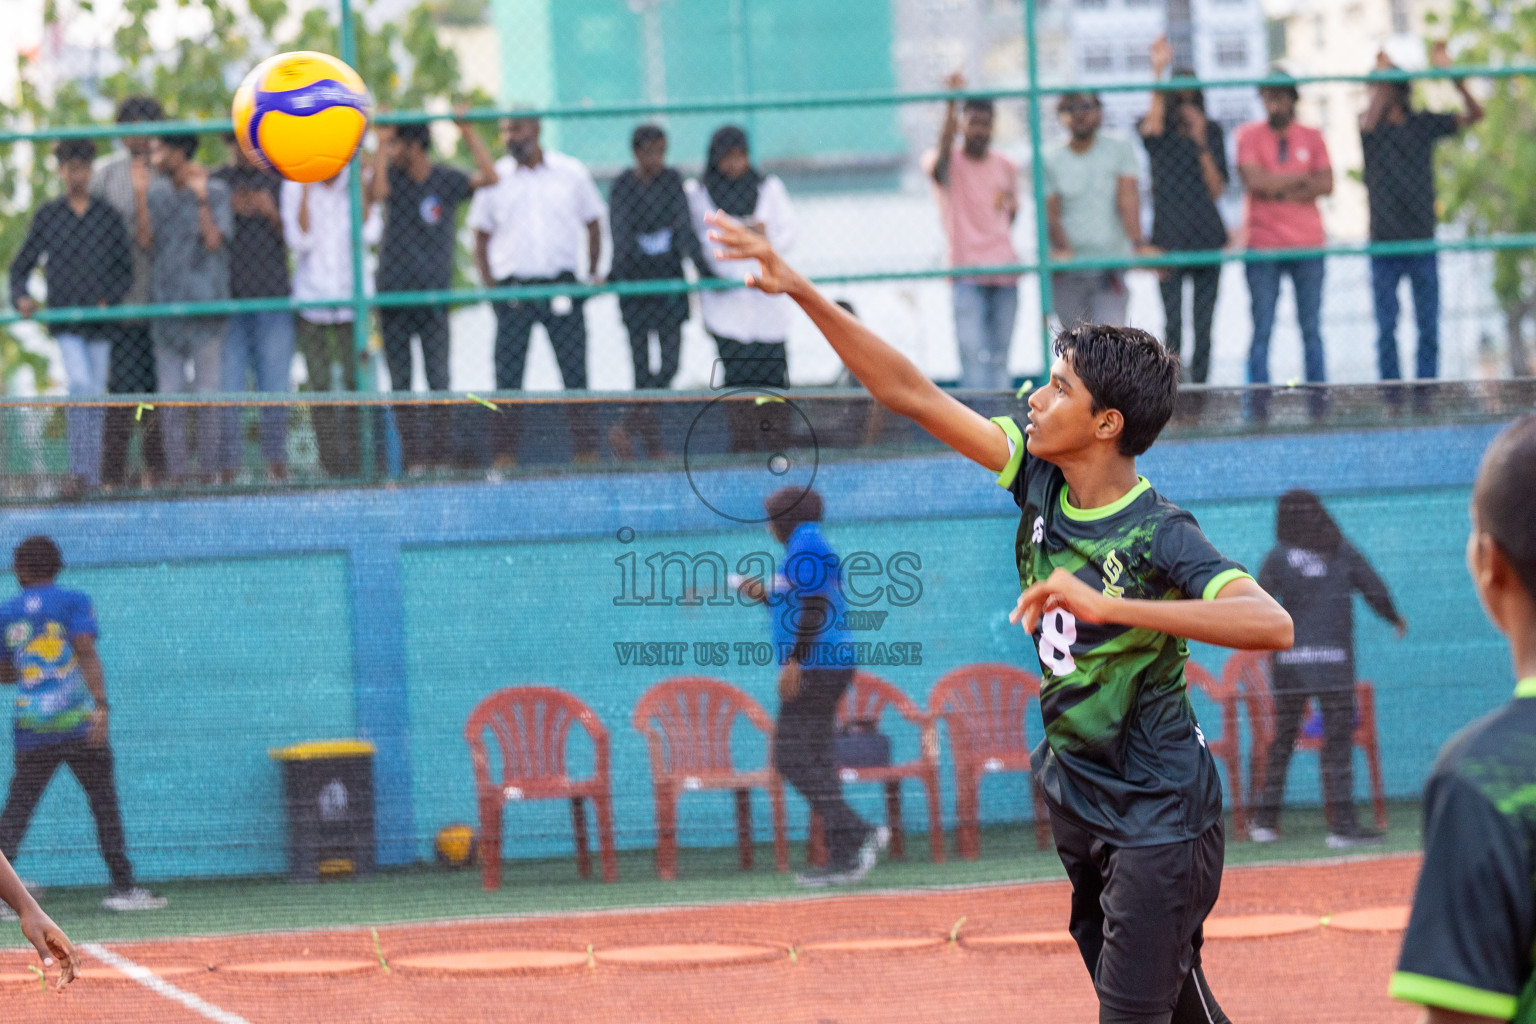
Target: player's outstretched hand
(736,241)
(1059,590)
(52,945)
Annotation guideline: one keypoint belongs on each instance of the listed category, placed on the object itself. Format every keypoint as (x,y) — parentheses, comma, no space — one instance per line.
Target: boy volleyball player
(1467,953)
(1134,797)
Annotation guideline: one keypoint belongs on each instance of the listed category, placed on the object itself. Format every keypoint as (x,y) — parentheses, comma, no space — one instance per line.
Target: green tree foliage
(1486,184)
(402,60)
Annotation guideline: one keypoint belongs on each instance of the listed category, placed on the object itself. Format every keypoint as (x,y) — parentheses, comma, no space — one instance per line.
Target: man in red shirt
(1284,166)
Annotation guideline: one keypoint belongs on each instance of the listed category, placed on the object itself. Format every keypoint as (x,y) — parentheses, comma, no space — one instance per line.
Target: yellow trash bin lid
(322,750)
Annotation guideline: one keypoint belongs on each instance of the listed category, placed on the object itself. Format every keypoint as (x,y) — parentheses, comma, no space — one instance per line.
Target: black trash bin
(329,791)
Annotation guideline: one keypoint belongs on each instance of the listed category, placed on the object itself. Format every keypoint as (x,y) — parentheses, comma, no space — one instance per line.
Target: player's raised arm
(892,378)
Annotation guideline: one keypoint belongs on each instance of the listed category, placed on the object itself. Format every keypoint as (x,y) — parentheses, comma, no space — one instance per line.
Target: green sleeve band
(1010,471)
(1450,995)
(1220,580)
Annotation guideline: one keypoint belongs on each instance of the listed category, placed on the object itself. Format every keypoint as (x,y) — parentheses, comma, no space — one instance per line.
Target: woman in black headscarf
(749,327)
(1314,572)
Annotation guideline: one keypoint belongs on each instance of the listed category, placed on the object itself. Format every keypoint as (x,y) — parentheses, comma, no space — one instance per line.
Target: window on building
(1231,52)
(1092,4)
(1138,57)
(1097,57)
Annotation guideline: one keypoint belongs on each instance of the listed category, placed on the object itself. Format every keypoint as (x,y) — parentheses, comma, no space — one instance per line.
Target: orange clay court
(1283,943)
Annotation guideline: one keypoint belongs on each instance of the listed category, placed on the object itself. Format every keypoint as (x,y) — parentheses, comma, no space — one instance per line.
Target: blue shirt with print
(52,703)
(810,569)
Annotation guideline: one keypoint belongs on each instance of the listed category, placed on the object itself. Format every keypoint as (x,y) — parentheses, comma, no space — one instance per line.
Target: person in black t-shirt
(1398,143)
(256,345)
(1188,155)
(421,203)
(652,233)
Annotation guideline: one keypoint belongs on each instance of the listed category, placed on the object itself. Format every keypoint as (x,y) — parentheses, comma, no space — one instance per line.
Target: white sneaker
(1260,834)
(138,898)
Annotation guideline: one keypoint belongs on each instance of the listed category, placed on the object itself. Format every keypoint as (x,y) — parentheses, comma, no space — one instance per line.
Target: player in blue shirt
(49,637)
(816,668)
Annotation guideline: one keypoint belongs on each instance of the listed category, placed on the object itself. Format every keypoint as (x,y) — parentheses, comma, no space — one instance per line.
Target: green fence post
(364,378)
(1036,163)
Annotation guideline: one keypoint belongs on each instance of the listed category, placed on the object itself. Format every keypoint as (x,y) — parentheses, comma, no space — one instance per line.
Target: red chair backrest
(530,724)
(1222,692)
(687,723)
(984,706)
(1246,676)
(868,697)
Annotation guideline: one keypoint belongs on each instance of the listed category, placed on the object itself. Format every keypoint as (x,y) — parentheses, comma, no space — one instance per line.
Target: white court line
(158,985)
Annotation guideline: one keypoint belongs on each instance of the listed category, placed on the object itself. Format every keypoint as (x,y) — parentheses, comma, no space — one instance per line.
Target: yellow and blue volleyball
(301,114)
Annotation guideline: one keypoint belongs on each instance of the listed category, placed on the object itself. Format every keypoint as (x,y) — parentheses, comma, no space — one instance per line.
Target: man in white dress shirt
(539,224)
(317,225)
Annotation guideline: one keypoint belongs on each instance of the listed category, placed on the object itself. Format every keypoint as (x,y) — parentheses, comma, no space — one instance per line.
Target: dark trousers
(1137,918)
(1338,707)
(803,754)
(330,361)
(669,338)
(1205,280)
(1423,275)
(131,371)
(568,335)
(92,768)
(754,364)
(424,430)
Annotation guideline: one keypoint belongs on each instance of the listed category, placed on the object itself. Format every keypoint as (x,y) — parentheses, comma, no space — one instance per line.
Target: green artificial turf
(546,887)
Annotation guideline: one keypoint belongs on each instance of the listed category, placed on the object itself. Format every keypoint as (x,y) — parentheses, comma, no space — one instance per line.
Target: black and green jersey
(1123,755)
(1469,942)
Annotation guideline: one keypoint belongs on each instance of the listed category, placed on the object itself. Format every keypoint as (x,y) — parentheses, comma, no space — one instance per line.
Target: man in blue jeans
(1284,167)
(1398,143)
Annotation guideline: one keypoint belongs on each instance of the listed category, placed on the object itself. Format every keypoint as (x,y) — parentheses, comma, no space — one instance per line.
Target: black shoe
(1354,836)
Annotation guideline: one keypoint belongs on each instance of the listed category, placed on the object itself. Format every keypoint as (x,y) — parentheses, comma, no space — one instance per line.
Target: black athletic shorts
(1137,913)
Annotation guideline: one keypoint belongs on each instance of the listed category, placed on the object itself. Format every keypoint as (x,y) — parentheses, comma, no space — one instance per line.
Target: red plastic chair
(531,724)
(1250,673)
(687,724)
(867,700)
(1228,748)
(984,706)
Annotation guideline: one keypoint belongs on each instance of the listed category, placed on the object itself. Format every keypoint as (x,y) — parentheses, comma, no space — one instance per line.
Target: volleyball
(301,114)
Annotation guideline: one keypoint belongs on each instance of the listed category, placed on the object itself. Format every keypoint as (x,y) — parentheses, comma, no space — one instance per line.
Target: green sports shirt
(1469,942)
(1123,755)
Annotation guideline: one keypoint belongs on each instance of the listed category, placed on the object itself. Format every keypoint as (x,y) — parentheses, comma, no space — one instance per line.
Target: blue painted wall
(233,625)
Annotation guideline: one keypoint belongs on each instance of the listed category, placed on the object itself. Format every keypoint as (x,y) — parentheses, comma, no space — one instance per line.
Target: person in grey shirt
(1314,572)
(122,181)
(189,219)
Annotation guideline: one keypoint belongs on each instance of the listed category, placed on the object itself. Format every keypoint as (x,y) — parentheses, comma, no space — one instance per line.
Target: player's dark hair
(1128,370)
(1067,99)
(645,135)
(789,507)
(1281,81)
(979,105)
(1301,521)
(75,149)
(133,109)
(1501,498)
(37,560)
(419,135)
(186,143)
(1176,98)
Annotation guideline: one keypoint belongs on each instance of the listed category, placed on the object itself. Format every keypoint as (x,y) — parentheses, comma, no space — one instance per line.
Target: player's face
(166,159)
(76,175)
(1061,417)
(735,164)
(1279,108)
(1082,116)
(395,151)
(651,157)
(978,130)
(521,136)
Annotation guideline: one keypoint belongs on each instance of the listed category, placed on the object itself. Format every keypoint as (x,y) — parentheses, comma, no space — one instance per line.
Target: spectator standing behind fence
(88,263)
(652,235)
(188,230)
(1188,156)
(49,655)
(1093,209)
(539,224)
(420,200)
(1284,166)
(749,327)
(258,347)
(1314,572)
(1398,143)
(317,224)
(978,194)
(123,181)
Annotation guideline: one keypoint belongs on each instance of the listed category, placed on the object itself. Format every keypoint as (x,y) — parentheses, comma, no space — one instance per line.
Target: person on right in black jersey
(1114,579)
(1315,572)
(1467,953)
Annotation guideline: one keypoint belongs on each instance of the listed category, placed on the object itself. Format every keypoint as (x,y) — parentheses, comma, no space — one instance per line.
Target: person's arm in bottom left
(52,945)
